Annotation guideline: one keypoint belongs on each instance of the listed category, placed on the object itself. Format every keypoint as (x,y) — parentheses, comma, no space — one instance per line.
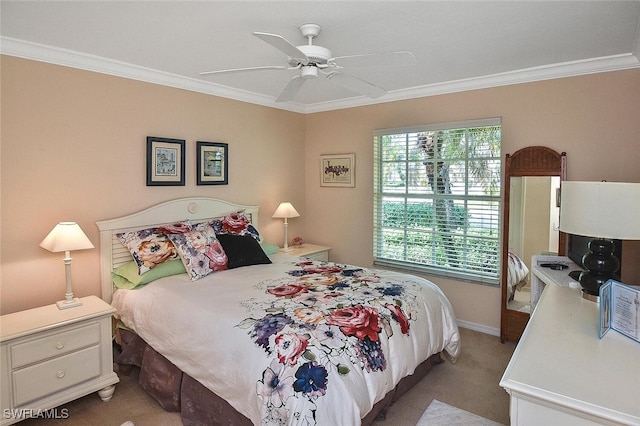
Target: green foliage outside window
(437,200)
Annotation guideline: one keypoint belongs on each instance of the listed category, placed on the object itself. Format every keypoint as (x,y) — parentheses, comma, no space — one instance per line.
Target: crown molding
(528,75)
(69,58)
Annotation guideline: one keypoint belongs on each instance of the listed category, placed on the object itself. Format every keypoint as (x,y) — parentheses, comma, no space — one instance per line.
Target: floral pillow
(200,251)
(151,247)
(235,223)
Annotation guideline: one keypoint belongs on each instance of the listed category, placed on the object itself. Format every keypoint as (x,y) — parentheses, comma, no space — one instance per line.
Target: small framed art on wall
(338,170)
(165,161)
(213,163)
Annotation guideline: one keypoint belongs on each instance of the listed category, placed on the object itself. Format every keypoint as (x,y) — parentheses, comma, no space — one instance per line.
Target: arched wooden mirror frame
(529,161)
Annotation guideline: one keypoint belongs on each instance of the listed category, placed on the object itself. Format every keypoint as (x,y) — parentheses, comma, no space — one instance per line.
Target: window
(437,199)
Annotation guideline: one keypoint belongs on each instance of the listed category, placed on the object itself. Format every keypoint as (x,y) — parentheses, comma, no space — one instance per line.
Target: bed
(517,273)
(272,339)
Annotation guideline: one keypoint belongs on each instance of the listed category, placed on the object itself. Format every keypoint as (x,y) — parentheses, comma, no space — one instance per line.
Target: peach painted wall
(74,148)
(595,119)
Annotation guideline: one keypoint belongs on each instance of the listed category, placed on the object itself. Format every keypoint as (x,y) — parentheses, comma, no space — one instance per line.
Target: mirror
(534,219)
(530,227)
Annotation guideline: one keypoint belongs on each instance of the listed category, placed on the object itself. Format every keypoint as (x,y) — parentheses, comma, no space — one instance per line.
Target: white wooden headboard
(195,209)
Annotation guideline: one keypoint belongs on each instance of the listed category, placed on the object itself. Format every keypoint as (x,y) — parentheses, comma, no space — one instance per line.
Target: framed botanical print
(213,163)
(338,170)
(165,161)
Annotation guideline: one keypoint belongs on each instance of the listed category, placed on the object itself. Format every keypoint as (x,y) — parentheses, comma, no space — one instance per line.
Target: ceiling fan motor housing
(317,55)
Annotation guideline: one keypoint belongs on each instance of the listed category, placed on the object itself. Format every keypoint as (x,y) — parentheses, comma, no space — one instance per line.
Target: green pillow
(128,277)
(269,249)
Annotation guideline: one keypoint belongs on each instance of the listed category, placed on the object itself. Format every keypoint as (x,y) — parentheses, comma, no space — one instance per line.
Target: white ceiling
(458,45)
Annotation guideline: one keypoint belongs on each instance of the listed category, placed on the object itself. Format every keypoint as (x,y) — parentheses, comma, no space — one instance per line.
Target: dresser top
(560,359)
(23,323)
(558,277)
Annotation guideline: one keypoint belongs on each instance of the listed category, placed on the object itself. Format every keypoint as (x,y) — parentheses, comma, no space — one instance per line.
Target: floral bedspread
(312,343)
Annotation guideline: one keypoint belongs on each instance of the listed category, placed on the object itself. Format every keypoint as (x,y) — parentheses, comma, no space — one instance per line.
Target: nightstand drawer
(309,251)
(51,376)
(322,256)
(54,344)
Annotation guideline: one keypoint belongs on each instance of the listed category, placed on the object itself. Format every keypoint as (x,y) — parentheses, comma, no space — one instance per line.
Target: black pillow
(242,250)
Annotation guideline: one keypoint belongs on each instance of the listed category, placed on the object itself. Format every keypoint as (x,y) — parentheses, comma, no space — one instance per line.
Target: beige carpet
(441,414)
(471,384)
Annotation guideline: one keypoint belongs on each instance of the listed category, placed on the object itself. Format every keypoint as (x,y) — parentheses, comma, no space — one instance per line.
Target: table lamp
(67,236)
(285,211)
(605,211)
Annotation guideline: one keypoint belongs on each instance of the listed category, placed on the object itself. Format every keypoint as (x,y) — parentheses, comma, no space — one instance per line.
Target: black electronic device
(554,265)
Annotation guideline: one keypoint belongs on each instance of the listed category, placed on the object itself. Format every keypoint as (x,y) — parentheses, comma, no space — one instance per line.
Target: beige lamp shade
(601,209)
(66,236)
(285,210)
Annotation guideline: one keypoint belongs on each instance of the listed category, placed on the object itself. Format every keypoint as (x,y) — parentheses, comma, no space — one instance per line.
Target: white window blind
(437,199)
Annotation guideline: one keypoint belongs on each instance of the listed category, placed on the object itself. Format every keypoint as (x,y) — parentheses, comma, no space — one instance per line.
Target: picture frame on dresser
(212,163)
(165,161)
(619,309)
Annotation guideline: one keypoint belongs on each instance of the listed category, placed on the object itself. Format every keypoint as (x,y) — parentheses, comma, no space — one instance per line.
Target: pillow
(242,250)
(235,223)
(150,247)
(269,249)
(126,276)
(200,251)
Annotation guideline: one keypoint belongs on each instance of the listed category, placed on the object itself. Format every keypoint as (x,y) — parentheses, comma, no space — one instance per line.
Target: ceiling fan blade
(399,58)
(356,85)
(283,45)
(291,89)
(267,67)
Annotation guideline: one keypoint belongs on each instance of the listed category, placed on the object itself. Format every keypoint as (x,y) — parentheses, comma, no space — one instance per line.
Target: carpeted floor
(471,384)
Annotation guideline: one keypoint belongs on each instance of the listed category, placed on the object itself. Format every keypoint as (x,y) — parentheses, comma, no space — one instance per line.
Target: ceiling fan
(313,60)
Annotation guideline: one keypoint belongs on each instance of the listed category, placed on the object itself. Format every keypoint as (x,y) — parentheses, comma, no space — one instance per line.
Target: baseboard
(479,327)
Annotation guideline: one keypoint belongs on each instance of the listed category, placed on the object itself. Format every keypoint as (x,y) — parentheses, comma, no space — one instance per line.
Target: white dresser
(49,357)
(561,373)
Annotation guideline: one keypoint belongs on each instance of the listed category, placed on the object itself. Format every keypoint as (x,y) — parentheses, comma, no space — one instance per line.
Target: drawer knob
(59,345)
(60,374)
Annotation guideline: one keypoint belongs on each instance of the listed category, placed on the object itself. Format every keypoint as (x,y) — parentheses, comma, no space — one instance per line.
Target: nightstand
(49,357)
(309,251)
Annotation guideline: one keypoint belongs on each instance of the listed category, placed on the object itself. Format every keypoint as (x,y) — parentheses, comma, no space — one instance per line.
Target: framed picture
(165,161)
(338,170)
(213,163)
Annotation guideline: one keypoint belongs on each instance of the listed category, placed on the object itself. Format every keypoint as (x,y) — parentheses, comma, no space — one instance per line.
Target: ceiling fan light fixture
(309,71)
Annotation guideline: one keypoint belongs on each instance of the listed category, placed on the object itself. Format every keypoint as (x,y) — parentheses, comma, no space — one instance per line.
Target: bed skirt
(177,391)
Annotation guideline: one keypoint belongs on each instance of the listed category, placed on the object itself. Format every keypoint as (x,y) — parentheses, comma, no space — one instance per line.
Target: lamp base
(66,304)
(601,266)
(590,297)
